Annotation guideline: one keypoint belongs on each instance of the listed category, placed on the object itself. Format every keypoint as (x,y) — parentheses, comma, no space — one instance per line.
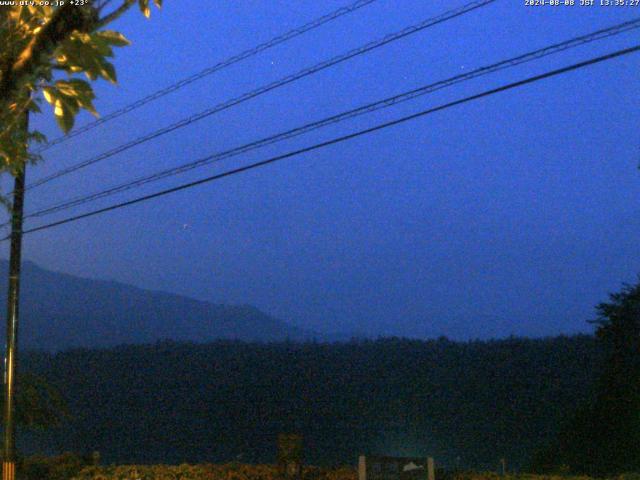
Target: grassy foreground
(207,472)
(72,467)
(270,472)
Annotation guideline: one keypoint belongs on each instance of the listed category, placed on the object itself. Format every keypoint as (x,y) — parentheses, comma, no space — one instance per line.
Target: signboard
(376,467)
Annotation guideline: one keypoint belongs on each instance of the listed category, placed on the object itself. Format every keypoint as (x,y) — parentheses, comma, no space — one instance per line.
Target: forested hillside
(464,403)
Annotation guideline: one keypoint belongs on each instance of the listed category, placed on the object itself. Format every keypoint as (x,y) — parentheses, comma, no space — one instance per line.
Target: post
(362,467)
(290,456)
(431,469)
(11,353)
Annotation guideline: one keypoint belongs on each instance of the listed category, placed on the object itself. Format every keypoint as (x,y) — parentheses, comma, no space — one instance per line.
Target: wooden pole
(13,304)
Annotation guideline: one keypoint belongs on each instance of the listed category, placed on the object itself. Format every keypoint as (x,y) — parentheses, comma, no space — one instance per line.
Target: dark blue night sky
(514,214)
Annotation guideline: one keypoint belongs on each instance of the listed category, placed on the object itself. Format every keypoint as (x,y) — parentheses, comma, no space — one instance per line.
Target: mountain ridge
(60,311)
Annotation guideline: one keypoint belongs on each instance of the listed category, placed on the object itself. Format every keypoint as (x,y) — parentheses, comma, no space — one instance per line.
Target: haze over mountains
(60,311)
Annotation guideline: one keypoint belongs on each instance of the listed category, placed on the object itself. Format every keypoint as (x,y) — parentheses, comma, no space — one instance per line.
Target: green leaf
(78,90)
(67,97)
(64,114)
(109,72)
(113,38)
(49,94)
(144,8)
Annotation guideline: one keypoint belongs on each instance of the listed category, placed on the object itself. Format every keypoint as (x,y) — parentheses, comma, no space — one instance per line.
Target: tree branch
(116,13)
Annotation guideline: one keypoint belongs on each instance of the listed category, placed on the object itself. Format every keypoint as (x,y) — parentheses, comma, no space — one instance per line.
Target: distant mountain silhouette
(59,311)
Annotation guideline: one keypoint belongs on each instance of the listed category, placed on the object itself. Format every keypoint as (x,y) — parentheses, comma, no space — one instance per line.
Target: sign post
(377,467)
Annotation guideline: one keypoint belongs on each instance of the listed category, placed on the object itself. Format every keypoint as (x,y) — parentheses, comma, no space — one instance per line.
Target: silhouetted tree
(617,407)
(604,435)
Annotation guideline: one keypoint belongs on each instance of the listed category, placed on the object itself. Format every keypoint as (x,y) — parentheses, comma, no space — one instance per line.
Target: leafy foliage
(61,467)
(231,471)
(47,49)
(495,476)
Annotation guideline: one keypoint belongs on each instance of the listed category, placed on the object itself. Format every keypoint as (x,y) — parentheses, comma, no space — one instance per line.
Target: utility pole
(11,353)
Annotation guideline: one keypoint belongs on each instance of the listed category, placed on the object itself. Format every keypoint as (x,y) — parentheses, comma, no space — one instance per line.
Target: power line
(266,88)
(449,15)
(378,105)
(341,139)
(318,22)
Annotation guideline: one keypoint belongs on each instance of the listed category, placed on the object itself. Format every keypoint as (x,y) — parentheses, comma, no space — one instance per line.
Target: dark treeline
(467,404)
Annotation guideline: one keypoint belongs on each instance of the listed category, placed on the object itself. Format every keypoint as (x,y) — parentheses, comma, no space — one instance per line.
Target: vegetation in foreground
(71,467)
(188,403)
(466,404)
